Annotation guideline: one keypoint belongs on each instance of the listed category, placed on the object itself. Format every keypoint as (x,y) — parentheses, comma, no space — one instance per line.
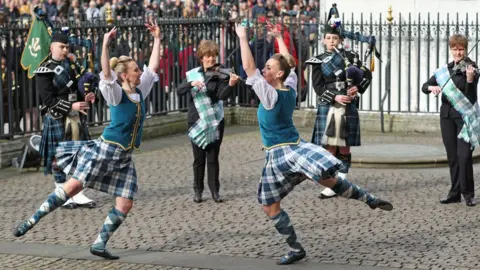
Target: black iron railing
(411,49)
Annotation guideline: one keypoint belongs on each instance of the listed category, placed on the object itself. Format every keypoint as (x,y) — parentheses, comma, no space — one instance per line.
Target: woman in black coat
(206,137)
(459,152)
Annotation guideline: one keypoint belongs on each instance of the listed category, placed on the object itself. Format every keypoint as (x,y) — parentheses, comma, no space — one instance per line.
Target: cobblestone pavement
(419,233)
(8,261)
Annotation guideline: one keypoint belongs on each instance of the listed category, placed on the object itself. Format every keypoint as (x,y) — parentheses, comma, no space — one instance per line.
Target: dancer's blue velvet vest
(126,126)
(276,125)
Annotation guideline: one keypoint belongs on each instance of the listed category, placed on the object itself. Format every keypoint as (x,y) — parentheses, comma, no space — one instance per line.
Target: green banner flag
(37,47)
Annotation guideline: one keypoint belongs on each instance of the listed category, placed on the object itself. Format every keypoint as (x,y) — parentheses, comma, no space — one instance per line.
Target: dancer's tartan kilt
(353,125)
(287,165)
(99,165)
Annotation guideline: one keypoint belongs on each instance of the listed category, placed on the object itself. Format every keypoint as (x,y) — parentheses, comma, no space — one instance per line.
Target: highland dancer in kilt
(338,76)
(62,108)
(106,164)
(289,159)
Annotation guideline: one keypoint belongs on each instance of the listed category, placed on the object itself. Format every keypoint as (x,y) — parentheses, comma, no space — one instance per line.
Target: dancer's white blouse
(266,93)
(112,91)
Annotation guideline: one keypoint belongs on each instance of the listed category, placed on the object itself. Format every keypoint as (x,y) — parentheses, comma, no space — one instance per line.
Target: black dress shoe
(470,202)
(198,197)
(327,193)
(70,206)
(22,228)
(379,203)
(292,257)
(103,253)
(323,196)
(450,200)
(88,205)
(216,198)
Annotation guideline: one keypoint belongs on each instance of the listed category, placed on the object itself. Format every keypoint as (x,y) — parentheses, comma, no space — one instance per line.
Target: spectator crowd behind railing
(84,10)
(191,22)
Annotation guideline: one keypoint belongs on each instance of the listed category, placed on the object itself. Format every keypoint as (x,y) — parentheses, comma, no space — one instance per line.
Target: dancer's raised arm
(274,31)
(105,59)
(247,58)
(149,75)
(266,93)
(153,63)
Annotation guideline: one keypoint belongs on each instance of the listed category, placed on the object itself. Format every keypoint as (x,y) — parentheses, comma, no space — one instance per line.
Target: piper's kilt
(99,165)
(285,164)
(353,125)
(54,132)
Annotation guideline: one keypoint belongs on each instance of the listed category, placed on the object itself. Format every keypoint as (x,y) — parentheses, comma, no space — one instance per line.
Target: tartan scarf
(470,131)
(205,130)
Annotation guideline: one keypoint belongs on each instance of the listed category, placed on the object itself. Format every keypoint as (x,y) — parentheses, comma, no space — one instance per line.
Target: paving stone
(419,232)
(30,262)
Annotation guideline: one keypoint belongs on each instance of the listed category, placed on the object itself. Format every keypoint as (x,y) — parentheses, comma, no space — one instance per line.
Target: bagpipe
(84,73)
(371,51)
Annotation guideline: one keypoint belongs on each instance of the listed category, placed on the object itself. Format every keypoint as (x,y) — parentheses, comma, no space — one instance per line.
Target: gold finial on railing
(389,16)
(109,18)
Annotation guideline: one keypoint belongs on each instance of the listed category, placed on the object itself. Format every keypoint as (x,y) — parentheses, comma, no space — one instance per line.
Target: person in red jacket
(166,64)
(289,41)
(286,38)
(185,57)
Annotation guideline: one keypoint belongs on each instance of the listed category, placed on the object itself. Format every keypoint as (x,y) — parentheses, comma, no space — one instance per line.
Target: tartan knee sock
(285,228)
(54,200)
(351,191)
(112,222)
(346,160)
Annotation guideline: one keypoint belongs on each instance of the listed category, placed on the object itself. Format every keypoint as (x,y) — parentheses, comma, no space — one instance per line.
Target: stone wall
(175,123)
